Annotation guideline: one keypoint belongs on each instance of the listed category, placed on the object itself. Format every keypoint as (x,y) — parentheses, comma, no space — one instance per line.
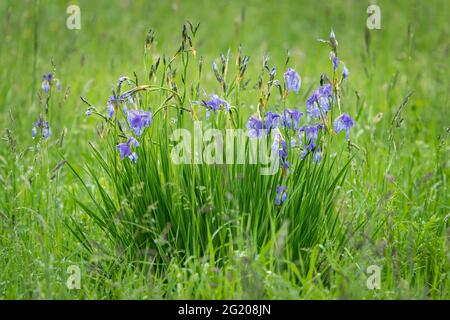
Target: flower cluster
(306,136)
(41,127)
(136,119)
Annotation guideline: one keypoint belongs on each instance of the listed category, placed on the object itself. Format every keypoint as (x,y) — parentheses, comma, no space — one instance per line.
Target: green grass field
(157,230)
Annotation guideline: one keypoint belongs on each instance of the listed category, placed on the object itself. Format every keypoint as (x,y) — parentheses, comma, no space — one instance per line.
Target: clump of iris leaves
(151,209)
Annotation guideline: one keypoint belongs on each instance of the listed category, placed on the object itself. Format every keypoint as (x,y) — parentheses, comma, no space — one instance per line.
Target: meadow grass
(391,209)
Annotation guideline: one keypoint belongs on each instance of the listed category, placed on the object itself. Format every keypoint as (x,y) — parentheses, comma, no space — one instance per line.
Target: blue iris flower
(319,101)
(281,196)
(139,120)
(291,118)
(125,149)
(293,80)
(344,122)
(214,104)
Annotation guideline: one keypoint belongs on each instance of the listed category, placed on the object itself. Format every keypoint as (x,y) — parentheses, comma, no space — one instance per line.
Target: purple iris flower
(125,149)
(345,72)
(311,133)
(317,155)
(319,101)
(285,167)
(46,81)
(46,132)
(325,90)
(214,103)
(254,126)
(281,195)
(335,62)
(283,150)
(344,122)
(271,121)
(291,118)
(293,80)
(43,126)
(110,106)
(279,145)
(139,120)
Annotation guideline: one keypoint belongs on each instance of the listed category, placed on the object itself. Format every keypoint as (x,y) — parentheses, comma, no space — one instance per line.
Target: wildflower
(254,126)
(325,90)
(110,106)
(303,154)
(214,104)
(344,122)
(283,154)
(319,102)
(345,73)
(293,80)
(271,121)
(88,112)
(311,133)
(139,120)
(46,81)
(291,118)
(114,102)
(280,146)
(125,149)
(43,126)
(126,98)
(281,195)
(317,155)
(134,142)
(334,59)
(335,63)
(283,150)
(45,130)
